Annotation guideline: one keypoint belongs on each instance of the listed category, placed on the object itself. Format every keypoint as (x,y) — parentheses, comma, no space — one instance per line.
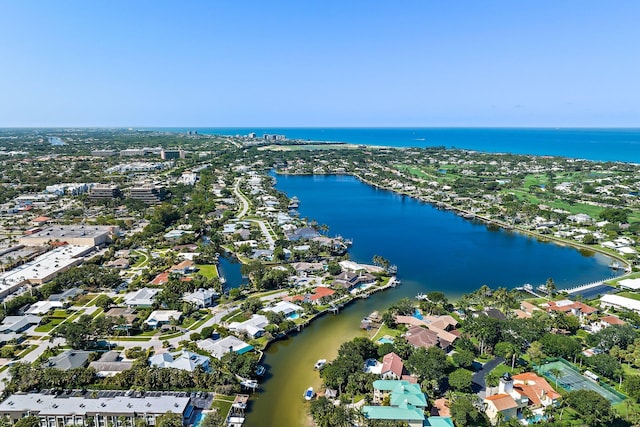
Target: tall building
(148,193)
(105,191)
(172,154)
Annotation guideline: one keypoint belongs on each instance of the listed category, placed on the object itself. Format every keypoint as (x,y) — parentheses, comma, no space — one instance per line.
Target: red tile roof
(534,387)
(391,362)
(502,402)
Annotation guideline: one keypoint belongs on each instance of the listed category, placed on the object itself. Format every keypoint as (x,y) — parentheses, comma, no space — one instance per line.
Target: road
(478,380)
(243,200)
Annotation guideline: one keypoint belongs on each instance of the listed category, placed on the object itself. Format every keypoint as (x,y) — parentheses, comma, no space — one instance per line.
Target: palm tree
(499,417)
(556,373)
(551,287)
(527,413)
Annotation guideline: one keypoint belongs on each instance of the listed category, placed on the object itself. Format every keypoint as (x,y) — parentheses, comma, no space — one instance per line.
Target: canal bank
(434,250)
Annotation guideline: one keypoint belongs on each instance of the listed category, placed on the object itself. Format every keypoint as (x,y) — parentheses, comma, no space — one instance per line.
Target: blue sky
(319,63)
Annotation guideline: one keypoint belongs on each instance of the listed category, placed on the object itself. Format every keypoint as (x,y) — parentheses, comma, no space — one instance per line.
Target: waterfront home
(286,308)
(253,327)
(303,233)
(406,402)
(183,360)
(184,267)
(158,318)
(392,367)
(605,322)
(144,297)
(303,268)
(442,326)
(83,409)
(422,337)
(69,359)
(321,295)
(350,280)
(219,348)
(575,308)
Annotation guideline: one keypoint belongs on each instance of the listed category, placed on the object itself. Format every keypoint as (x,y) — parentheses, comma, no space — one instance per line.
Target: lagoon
(433,249)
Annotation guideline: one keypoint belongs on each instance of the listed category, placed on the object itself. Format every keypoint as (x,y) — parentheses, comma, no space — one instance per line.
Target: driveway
(477,381)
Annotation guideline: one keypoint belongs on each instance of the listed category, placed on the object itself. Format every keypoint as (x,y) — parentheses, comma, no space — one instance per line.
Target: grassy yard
(222,403)
(209,271)
(629,294)
(201,322)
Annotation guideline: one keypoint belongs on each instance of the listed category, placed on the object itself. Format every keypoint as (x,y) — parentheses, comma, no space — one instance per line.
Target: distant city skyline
(319,64)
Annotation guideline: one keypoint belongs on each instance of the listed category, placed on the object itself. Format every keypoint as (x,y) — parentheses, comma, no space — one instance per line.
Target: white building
(619,302)
(141,298)
(202,297)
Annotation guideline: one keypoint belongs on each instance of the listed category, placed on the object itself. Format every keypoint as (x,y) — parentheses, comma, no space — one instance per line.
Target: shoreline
(438,204)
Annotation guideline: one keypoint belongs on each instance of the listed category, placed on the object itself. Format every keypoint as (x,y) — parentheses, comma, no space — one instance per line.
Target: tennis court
(570,379)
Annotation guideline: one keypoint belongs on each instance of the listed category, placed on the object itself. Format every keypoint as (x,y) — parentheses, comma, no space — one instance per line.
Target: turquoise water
(385,341)
(198,419)
(293,316)
(417,314)
(593,144)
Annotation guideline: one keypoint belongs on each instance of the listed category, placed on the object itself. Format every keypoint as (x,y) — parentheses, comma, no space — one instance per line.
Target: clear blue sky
(319,63)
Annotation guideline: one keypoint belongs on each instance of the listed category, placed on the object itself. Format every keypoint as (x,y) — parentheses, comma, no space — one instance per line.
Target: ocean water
(592,144)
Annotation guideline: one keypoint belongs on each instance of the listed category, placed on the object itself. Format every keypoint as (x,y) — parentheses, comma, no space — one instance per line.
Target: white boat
(320,364)
(308,395)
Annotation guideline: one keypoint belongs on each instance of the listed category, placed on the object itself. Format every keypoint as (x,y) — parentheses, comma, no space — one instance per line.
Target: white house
(202,297)
(141,298)
(162,317)
(253,327)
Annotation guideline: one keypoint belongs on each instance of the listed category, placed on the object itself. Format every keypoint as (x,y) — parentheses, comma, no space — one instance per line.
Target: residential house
(67,295)
(422,337)
(69,359)
(201,298)
(43,307)
(286,308)
(253,327)
(575,308)
(321,295)
(183,360)
(350,280)
(392,367)
(184,267)
(110,364)
(18,324)
(124,317)
(219,348)
(144,297)
(158,318)
(407,402)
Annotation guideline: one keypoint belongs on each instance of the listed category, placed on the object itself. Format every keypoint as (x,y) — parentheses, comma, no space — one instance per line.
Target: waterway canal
(433,249)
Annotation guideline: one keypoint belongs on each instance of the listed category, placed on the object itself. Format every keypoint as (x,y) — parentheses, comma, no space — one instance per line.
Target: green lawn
(222,403)
(629,294)
(209,271)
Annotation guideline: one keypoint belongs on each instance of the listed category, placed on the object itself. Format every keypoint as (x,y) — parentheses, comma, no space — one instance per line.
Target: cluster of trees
(86,276)
(27,377)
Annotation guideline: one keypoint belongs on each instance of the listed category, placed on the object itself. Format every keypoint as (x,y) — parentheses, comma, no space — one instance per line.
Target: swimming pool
(384,340)
(293,316)
(417,314)
(198,419)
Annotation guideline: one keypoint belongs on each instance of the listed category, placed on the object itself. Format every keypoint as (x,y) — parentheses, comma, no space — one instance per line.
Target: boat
(253,384)
(614,265)
(320,364)
(421,297)
(260,370)
(308,395)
